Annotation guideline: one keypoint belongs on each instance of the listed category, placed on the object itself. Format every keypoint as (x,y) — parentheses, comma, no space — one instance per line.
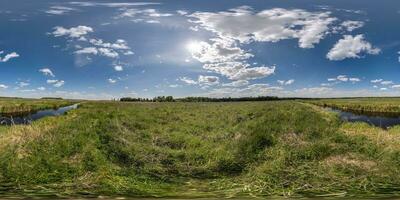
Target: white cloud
(383,89)
(153,22)
(387,82)
(350,25)
(9,56)
(41,88)
(23,84)
(46,72)
(399,56)
(55,82)
(173,85)
(88,50)
(187,80)
(351,47)
(376,81)
(353,80)
(220,51)
(59,83)
(283,82)
(59,10)
(98,51)
(73,32)
(112,5)
(342,78)
(224,57)
(118,68)
(2,86)
(272,25)
(395,86)
(182,12)
(331,79)
(110,80)
(119,44)
(108,52)
(133,12)
(250,90)
(239,83)
(314,90)
(208,80)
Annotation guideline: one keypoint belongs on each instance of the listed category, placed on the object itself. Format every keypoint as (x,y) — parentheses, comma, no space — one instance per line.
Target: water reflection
(383,121)
(28,118)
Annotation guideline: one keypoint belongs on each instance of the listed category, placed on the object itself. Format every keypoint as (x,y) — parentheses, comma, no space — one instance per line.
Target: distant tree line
(155,99)
(199,99)
(52,98)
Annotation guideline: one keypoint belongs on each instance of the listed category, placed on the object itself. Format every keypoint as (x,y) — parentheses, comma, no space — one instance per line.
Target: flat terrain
(15,105)
(276,148)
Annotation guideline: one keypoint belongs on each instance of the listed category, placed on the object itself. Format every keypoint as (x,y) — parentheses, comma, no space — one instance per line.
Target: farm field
(186,150)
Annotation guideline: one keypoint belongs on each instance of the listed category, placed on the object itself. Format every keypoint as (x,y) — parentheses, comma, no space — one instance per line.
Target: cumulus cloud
(351,47)
(46,72)
(350,25)
(73,32)
(386,82)
(187,80)
(118,68)
(9,56)
(353,80)
(119,44)
(2,86)
(376,81)
(344,78)
(98,51)
(223,56)
(55,82)
(110,80)
(272,25)
(283,82)
(208,80)
(97,46)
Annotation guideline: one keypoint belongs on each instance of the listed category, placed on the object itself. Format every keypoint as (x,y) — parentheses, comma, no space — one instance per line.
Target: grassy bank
(14,105)
(388,106)
(283,148)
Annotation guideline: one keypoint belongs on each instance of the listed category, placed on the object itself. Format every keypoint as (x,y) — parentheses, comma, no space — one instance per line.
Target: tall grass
(195,150)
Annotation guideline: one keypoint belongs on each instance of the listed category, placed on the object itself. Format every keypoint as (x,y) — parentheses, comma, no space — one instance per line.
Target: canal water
(376,119)
(28,118)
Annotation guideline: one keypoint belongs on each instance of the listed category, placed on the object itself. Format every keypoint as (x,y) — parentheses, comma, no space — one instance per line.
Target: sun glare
(194,46)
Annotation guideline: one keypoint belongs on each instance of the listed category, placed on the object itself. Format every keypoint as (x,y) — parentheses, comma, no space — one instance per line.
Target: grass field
(388,106)
(279,148)
(15,105)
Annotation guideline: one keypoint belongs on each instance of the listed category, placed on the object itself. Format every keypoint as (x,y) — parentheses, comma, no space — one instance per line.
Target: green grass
(282,148)
(389,106)
(15,105)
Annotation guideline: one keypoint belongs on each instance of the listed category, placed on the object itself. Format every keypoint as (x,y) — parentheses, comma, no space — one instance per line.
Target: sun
(194,46)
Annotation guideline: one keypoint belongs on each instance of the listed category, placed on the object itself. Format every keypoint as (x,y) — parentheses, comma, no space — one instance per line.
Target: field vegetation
(17,105)
(180,149)
(388,106)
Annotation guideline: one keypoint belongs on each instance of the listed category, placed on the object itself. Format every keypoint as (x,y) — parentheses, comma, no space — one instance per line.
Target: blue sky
(111,49)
